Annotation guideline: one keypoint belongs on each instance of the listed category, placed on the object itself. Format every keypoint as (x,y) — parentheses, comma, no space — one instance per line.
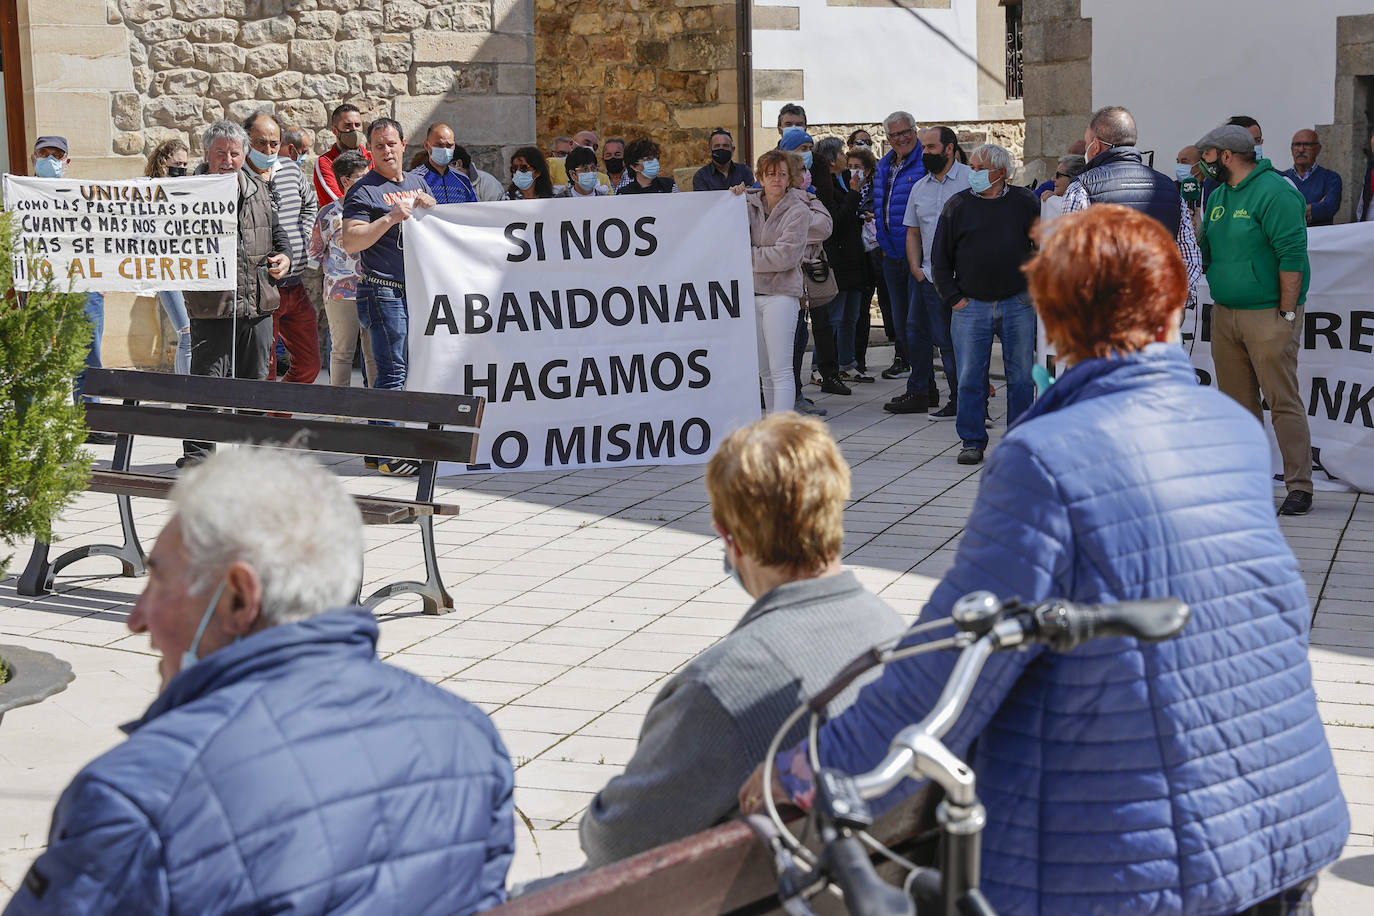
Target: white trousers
(777,323)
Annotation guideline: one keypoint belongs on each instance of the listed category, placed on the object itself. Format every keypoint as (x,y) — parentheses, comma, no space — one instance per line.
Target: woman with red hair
(1190,776)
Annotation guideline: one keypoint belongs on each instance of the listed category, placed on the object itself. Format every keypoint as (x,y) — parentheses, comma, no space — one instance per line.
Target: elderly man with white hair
(981,241)
(283,768)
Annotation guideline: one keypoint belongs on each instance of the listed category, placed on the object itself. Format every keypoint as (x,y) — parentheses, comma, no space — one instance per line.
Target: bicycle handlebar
(1063,626)
(865,894)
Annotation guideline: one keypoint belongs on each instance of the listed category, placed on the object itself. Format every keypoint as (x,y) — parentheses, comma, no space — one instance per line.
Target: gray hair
(830,149)
(1072,166)
(898,116)
(997,156)
(1113,125)
(224,130)
(282,514)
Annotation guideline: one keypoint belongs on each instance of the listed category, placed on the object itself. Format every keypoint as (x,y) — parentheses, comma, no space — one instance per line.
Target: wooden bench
(319,418)
(723,871)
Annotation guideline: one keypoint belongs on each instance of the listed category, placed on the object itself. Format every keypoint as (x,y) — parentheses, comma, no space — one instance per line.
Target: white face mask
(189,657)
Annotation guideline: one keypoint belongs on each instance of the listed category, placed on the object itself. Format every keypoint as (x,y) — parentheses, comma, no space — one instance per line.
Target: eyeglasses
(1061,175)
(902,134)
(523,168)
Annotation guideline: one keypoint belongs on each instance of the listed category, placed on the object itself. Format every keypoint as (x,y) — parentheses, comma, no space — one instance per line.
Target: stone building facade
(132,73)
(661,68)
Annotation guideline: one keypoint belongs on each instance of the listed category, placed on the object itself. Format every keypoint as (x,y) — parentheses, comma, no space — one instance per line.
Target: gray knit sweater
(710,725)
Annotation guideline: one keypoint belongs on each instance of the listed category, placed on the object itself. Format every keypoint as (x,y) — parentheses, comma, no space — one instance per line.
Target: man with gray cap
(50,160)
(1254,244)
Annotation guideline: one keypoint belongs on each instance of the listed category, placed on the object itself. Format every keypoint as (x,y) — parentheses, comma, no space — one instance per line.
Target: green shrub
(43,343)
(4,671)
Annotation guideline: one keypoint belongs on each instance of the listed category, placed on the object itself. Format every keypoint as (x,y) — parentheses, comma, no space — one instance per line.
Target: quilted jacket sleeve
(1018,543)
(103,856)
(500,835)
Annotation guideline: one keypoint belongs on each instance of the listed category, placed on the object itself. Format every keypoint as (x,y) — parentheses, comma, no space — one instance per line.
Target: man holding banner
(1254,241)
(231,330)
(373,211)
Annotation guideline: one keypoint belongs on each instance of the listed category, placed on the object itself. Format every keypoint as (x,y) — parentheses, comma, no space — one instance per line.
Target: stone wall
(1058,78)
(658,68)
(469,63)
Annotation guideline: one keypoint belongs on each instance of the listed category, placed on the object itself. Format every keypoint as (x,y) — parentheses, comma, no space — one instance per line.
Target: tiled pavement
(579,593)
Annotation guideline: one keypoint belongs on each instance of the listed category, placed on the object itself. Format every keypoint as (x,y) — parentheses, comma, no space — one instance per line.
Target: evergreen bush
(44,334)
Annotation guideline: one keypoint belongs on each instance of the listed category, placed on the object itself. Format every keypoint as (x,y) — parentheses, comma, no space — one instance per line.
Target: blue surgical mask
(978,180)
(522,180)
(261,160)
(806,158)
(1259,150)
(189,657)
(649,168)
(301,160)
(49,167)
(731,571)
(587,181)
(441,155)
(1183,171)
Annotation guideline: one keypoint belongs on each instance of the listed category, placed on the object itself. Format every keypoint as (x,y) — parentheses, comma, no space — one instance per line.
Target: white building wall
(1184,66)
(861,63)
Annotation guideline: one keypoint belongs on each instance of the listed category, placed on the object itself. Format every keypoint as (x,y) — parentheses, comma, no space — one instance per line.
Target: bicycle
(984,625)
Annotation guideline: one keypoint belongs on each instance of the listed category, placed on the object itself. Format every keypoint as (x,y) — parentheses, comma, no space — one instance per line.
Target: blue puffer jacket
(889,210)
(291,772)
(1192,776)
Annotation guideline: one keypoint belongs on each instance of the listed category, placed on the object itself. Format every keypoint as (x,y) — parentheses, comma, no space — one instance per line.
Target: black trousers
(874,283)
(219,343)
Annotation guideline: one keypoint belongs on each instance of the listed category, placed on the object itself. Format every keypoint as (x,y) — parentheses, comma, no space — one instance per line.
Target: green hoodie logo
(1217,213)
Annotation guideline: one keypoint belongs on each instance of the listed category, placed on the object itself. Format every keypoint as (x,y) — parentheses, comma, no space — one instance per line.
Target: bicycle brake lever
(793,883)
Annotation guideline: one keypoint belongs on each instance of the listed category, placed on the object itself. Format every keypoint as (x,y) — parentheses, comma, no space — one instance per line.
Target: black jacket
(845,247)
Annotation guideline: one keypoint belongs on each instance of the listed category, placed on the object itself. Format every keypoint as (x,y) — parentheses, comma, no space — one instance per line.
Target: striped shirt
(293,199)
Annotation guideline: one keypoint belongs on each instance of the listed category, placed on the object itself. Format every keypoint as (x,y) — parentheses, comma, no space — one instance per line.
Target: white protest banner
(141,235)
(610,331)
(1335,366)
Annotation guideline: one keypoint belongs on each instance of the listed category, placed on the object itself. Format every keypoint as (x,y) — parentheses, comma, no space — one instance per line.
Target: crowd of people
(938,235)
(285,768)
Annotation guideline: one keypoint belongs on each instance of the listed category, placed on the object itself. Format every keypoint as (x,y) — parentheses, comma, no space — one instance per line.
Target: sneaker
(804,406)
(816,378)
(399,467)
(970,455)
(370,463)
(190,461)
(101,438)
(911,402)
(833,385)
(947,412)
(898,369)
(1297,503)
(855,375)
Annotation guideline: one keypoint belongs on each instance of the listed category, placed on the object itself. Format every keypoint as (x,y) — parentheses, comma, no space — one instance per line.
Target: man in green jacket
(1254,244)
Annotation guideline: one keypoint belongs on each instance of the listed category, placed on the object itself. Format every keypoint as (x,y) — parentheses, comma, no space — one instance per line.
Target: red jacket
(326,185)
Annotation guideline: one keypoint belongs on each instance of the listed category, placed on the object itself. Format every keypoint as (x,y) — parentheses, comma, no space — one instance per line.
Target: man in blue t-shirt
(373,211)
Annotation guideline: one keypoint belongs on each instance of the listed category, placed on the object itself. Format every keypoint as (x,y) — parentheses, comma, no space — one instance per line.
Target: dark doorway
(13,151)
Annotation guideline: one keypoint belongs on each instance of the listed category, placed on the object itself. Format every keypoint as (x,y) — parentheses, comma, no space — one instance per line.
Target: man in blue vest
(1116,174)
(896,174)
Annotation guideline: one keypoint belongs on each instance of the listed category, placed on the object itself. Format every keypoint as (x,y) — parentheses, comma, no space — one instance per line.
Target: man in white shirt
(945,176)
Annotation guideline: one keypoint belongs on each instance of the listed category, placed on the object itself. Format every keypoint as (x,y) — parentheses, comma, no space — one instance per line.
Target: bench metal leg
(37,577)
(436,598)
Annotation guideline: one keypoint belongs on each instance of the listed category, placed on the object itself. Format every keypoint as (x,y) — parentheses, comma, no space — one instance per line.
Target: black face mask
(614,166)
(934,162)
(176,171)
(721,156)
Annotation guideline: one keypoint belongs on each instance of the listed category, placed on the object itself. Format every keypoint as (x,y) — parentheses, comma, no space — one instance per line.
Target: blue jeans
(844,315)
(973,327)
(939,315)
(95,314)
(382,311)
(174,304)
(910,321)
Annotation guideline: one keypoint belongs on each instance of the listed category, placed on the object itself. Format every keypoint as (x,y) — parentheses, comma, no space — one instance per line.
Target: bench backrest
(330,426)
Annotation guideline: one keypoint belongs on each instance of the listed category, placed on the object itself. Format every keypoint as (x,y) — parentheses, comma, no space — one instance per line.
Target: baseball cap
(53,141)
(1228,136)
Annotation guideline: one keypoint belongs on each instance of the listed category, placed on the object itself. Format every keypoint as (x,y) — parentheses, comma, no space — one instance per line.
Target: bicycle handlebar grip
(865,894)
(1063,626)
